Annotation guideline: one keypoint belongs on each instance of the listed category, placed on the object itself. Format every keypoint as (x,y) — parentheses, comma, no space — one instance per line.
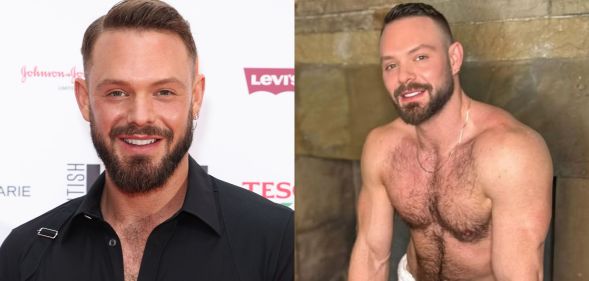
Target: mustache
(412,86)
(143,130)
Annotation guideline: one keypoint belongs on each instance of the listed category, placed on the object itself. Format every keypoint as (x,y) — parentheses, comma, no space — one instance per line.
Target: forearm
(518,248)
(525,267)
(532,275)
(368,265)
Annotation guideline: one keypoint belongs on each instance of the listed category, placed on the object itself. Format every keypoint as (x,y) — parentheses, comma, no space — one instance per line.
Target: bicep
(375,220)
(372,248)
(519,230)
(375,212)
(521,191)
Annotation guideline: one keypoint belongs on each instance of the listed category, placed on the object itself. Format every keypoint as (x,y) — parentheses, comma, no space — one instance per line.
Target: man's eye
(390,66)
(165,93)
(117,93)
(420,57)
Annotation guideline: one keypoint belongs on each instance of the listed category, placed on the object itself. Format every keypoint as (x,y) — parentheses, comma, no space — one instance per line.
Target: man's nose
(141,111)
(406,74)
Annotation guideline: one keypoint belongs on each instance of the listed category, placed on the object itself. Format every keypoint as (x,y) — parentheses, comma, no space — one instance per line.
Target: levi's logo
(273,80)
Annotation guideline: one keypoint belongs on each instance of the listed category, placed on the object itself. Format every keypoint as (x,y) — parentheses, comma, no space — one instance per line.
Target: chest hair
(133,240)
(449,197)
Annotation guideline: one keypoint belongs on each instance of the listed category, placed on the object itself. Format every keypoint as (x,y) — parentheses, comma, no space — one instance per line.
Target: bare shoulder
(502,135)
(380,143)
(505,148)
(384,138)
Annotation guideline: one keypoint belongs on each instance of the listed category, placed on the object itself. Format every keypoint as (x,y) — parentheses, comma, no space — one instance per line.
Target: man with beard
(154,214)
(472,183)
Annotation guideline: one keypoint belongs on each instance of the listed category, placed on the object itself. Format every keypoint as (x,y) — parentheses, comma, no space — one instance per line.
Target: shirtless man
(472,183)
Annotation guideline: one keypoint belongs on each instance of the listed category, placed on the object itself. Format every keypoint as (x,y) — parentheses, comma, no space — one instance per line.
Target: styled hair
(418,9)
(141,15)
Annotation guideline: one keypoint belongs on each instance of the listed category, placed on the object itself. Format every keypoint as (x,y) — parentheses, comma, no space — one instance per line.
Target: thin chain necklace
(466,119)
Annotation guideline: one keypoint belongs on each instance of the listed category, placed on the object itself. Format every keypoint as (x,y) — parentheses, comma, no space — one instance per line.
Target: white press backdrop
(46,155)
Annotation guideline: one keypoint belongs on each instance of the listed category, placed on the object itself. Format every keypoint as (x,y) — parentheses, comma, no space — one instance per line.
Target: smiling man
(154,214)
(472,183)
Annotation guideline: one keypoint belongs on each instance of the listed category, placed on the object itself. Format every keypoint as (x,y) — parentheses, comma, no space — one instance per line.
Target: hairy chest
(133,241)
(449,198)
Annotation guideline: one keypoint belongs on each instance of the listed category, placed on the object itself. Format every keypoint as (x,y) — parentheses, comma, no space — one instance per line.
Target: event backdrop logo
(11,191)
(280,192)
(80,178)
(37,72)
(273,80)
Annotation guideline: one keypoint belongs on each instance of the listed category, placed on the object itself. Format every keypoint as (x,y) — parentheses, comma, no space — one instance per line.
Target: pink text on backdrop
(273,80)
(271,189)
(37,72)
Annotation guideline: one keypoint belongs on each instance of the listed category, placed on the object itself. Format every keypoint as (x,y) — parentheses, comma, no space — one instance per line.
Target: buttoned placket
(154,249)
(152,253)
(113,246)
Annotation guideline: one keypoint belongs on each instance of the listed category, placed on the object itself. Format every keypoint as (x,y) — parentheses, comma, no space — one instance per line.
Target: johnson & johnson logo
(37,72)
(273,80)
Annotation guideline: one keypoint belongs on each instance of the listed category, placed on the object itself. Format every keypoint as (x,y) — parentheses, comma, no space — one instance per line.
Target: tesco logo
(270,189)
(273,80)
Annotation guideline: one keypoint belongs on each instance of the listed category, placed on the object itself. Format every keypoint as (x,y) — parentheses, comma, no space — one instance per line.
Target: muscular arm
(518,177)
(371,252)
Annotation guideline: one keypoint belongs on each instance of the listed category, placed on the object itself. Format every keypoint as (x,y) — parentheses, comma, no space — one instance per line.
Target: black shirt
(222,232)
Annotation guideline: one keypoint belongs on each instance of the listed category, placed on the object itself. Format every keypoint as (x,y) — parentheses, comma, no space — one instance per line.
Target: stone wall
(530,57)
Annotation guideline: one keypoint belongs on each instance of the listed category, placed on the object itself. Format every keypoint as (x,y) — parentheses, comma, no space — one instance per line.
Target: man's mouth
(412,93)
(140,142)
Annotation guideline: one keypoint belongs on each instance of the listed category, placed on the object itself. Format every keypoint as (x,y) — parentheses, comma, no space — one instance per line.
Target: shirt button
(112,242)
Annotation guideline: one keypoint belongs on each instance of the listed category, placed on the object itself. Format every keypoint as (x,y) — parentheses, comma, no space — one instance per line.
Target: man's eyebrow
(386,58)
(171,80)
(413,50)
(421,46)
(111,82)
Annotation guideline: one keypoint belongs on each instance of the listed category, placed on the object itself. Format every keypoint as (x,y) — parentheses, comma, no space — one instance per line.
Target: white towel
(402,273)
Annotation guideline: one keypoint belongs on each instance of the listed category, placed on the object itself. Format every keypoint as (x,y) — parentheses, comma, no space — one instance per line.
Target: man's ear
(82,97)
(455,53)
(198,89)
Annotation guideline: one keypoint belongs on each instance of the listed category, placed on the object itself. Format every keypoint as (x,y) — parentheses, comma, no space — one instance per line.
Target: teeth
(139,142)
(412,94)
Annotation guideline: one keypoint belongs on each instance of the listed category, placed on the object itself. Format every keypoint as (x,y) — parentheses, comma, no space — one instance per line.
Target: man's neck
(442,132)
(157,205)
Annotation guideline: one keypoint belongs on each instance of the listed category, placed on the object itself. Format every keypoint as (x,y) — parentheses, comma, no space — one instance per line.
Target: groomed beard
(141,174)
(412,113)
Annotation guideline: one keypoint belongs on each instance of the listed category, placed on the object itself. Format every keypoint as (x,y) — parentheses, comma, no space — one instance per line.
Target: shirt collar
(201,196)
(200,200)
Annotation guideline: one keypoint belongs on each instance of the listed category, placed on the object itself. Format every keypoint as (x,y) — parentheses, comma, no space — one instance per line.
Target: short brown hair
(418,9)
(142,15)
